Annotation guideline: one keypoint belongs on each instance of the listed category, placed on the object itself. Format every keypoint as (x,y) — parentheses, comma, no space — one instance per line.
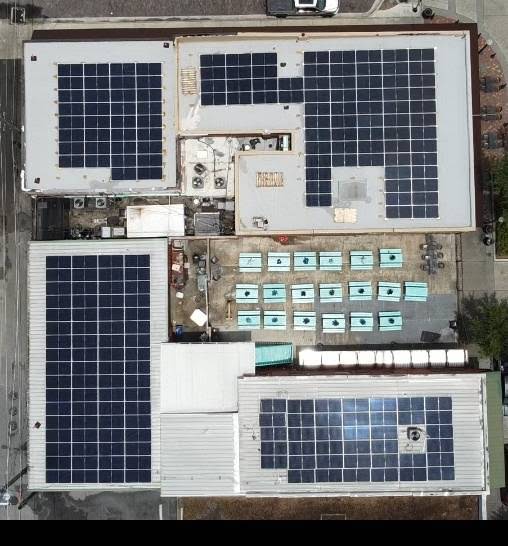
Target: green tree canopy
(484,321)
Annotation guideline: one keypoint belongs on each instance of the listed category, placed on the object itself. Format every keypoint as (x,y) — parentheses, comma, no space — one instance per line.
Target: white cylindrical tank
(457,358)
(348,359)
(437,358)
(388,359)
(420,359)
(330,359)
(310,359)
(366,358)
(402,359)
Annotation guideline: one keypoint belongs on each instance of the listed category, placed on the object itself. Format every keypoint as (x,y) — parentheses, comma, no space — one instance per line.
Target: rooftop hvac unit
(199,168)
(260,222)
(18,15)
(101,203)
(78,203)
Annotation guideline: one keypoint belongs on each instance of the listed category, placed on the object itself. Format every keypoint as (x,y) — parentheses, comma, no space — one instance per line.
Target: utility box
(106,232)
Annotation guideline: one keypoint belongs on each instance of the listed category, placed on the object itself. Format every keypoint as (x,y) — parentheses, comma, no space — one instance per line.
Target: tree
(485,321)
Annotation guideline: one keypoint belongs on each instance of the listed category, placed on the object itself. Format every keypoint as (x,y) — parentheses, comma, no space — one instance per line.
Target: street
(15,232)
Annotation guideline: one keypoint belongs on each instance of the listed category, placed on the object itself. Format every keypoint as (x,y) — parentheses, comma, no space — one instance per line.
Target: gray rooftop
(357,189)
(41,116)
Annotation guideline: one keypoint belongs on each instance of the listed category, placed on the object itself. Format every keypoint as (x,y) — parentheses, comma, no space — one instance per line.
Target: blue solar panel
(362,108)
(110,116)
(355,440)
(98,410)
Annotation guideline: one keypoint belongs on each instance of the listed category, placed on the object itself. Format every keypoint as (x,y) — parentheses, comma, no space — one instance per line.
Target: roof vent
(412,439)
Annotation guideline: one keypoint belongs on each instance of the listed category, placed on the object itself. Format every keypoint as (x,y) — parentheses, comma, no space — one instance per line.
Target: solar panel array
(110,116)
(249,78)
(98,413)
(362,108)
(356,440)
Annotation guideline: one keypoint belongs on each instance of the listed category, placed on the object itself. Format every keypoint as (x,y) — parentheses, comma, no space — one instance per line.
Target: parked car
(285,8)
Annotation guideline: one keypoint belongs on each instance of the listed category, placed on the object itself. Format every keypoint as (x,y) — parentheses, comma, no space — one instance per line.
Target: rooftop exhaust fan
(197,182)
(199,168)
(220,183)
(101,203)
(79,203)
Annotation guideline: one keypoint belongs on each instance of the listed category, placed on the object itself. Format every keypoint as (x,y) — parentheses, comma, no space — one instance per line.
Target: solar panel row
(362,108)
(98,411)
(355,440)
(110,116)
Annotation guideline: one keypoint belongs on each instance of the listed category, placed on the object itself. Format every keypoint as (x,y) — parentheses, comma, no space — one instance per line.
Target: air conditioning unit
(101,203)
(18,16)
(78,203)
(260,222)
(220,183)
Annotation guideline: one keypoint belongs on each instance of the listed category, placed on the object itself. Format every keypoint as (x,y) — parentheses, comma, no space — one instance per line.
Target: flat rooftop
(434,315)
(99,117)
(380,125)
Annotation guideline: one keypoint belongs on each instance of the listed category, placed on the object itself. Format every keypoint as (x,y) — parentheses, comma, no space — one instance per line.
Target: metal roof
(203,378)
(469,414)
(38,251)
(199,455)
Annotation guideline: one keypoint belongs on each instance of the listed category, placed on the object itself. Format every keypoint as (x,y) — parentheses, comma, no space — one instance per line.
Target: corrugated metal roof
(467,392)
(158,250)
(199,455)
(203,378)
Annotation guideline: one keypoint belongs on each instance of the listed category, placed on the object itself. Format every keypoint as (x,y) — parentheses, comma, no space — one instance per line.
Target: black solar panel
(348,440)
(110,116)
(363,108)
(98,410)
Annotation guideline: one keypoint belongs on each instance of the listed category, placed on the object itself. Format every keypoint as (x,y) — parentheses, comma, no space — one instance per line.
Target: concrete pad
(440,4)
(496,7)
(496,26)
(467,8)
(501,276)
